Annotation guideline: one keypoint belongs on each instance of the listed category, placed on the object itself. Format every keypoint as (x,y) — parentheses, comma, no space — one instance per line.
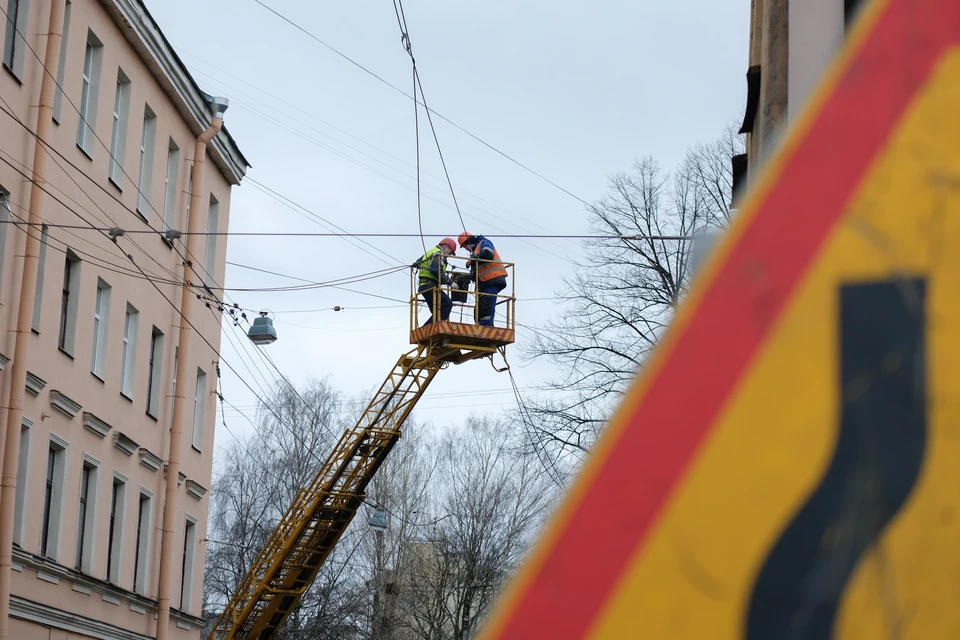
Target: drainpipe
(181,407)
(10,444)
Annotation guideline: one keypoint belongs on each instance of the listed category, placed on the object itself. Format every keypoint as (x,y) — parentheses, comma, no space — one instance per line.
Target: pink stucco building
(98,409)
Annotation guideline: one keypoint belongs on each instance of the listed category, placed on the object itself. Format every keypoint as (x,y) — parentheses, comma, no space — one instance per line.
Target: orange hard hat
(449,244)
(464,237)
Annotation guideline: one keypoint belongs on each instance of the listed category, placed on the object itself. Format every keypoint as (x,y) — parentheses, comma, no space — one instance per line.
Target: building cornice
(63,404)
(81,583)
(35,384)
(95,425)
(143,33)
(124,443)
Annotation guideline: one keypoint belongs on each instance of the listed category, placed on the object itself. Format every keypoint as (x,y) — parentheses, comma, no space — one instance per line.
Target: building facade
(792,43)
(95,433)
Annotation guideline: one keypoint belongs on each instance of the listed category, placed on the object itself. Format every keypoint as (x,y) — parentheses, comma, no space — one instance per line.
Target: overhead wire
(143,273)
(514,217)
(308,234)
(129,256)
(401,91)
(549,468)
(417,84)
(316,218)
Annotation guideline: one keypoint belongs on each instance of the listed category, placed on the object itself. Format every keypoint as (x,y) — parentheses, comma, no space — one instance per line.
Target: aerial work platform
(460,338)
(321,511)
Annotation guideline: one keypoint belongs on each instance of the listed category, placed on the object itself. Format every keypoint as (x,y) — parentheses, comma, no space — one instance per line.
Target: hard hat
(464,237)
(448,243)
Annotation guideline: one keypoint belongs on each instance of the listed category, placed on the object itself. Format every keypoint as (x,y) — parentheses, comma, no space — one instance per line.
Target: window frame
(199,408)
(210,250)
(87,514)
(154,371)
(61,66)
(128,354)
(118,131)
(141,553)
(52,513)
(145,180)
(41,268)
(188,561)
(6,217)
(170,187)
(69,302)
(101,326)
(14,42)
(118,499)
(89,94)
(23,476)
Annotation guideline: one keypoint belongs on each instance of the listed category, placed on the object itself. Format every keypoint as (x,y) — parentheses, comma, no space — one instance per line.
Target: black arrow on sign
(878,457)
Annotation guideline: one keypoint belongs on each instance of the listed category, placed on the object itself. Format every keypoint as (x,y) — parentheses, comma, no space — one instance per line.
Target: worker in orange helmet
(433,274)
(488,272)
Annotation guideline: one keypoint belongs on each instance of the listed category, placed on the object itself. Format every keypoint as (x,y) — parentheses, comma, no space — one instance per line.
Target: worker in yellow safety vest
(433,273)
(488,272)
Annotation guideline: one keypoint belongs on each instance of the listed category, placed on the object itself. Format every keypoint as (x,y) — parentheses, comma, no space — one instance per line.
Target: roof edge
(144,34)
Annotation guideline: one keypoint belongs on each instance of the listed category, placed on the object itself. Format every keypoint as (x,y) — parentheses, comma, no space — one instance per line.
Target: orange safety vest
(489,270)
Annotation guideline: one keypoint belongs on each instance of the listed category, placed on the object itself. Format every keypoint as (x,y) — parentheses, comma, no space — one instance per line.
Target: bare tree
(257,478)
(488,503)
(461,509)
(623,293)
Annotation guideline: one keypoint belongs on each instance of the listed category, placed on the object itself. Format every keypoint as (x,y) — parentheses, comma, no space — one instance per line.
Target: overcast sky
(574,90)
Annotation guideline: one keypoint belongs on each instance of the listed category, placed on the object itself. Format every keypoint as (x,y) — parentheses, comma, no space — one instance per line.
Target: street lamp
(262,331)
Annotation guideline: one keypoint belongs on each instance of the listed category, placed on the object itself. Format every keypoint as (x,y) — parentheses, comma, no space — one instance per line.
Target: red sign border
(665,417)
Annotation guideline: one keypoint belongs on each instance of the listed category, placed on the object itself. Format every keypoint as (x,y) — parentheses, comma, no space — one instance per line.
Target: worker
(433,274)
(488,272)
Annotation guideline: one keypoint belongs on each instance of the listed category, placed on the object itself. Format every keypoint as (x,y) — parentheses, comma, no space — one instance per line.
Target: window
(58,90)
(14,44)
(86,515)
(68,302)
(23,472)
(48,500)
(186,569)
(170,186)
(118,134)
(89,89)
(173,394)
(186,219)
(129,354)
(4,223)
(198,402)
(143,543)
(210,259)
(153,375)
(53,498)
(145,180)
(38,294)
(115,532)
(101,324)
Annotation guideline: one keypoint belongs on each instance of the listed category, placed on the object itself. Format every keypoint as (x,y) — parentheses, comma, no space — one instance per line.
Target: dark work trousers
(487,305)
(428,291)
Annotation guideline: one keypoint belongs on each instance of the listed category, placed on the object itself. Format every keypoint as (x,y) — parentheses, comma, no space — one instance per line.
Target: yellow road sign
(788,464)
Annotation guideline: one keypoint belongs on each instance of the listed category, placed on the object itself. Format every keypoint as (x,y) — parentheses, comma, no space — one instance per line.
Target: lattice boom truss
(320,512)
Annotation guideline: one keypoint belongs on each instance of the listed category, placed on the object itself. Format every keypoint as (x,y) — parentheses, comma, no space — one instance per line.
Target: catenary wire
(307,234)
(300,136)
(441,116)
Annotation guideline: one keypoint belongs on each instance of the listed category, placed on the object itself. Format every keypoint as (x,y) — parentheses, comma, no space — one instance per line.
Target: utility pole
(10,443)
(185,362)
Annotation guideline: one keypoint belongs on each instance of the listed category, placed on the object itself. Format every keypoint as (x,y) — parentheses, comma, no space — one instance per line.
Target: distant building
(97,415)
(792,42)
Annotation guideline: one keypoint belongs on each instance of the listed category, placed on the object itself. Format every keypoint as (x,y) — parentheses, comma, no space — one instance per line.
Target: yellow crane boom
(322,511)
